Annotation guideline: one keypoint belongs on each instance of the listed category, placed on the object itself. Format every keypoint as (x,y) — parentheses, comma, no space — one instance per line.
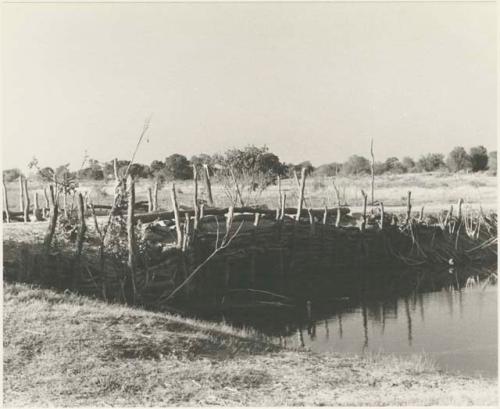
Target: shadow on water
(449,315)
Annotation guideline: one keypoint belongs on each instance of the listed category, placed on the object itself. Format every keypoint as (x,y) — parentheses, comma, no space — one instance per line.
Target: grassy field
(435,191)
(66,350)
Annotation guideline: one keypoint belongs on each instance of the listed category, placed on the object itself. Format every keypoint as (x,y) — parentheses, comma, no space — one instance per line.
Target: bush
(356,165)
(479,158)
(431,162)
(458,159)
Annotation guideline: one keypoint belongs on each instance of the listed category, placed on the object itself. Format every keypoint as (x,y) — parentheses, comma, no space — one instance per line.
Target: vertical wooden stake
(187,232)
(131,234)
(27,201)
(372,168)
(408,207)
(229,220)
(382,216)
(337,221)
(301,193)
(421,217)
(176,216)
(279,193)
(155,196)
(365,199)
(5,202)
(82,228)
(325,215)
(36,211)
(202,211)
(195,197)
(208,185)
(65,203)
(283,205)
(54,209)
(21,194)
(150,200)
(47,202)
(256,220)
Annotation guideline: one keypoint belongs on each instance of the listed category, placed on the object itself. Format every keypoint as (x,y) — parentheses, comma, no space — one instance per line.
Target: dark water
(401,313)
(457,329)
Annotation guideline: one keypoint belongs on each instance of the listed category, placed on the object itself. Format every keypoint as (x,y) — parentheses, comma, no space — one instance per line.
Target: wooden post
(82,228)
(47,202)
(150,200)
(325,215)
(54,209)
(202,211)
(459,206)
(155,196)
(365,199)
(185,242)
(279,193)
(237,188)
(65,203)
(372,168)
(256,220)
(301,193)
(382,216)
(337,221)
(283,205)
(421,217)
(27,201)
(37,213)
(229,220)
(21,194)
(208,185)
(195,197)
(5,202)
(176,215)
(131,234)
(408,207)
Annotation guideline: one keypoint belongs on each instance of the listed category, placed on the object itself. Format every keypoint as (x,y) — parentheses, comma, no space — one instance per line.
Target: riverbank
(66,350)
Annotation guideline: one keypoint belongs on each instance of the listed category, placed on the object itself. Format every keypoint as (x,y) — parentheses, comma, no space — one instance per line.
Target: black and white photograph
(249,203)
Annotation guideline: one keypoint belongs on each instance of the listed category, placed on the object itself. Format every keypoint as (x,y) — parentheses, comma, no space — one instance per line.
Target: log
(170,215)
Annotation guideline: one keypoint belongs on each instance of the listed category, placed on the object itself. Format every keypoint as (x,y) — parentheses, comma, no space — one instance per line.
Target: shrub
(458,159)
(479,158)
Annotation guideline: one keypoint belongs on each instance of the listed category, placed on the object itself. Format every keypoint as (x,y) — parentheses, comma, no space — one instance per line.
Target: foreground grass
(62,349)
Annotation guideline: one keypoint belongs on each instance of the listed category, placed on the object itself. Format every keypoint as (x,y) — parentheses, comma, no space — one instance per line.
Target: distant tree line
(259,167)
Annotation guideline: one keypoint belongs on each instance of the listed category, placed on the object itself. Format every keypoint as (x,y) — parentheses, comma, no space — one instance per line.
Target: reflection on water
(456,328)
(444,315)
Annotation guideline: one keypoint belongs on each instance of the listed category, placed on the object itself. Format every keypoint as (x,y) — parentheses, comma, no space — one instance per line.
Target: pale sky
(312,81)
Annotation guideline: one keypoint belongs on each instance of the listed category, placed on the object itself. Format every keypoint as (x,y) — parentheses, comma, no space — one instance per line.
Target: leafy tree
(408,163)
(393,165)
(379,168)
(478,158)
(177,167)
(356,165)
(10,175)
(458,159)
(431,162)
(328,169)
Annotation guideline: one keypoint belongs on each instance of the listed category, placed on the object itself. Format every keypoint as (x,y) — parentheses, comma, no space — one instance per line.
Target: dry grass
(434,190)
(66,350)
